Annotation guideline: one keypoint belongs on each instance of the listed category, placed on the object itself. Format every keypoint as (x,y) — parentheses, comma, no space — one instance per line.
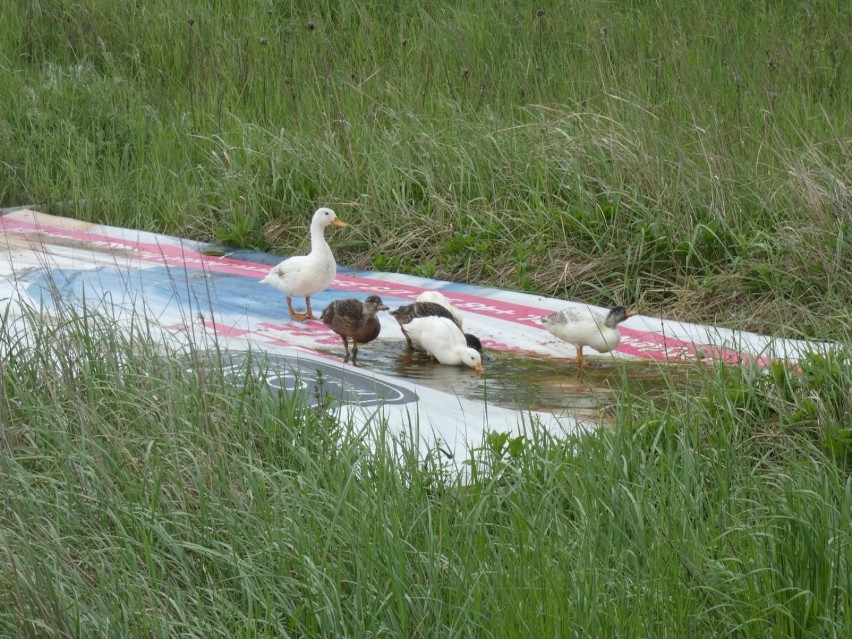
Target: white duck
(584,327)
(404,314)
(439,298)
(444,341)
(305,275)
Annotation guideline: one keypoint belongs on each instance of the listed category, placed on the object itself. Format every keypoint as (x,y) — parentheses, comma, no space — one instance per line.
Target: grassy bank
(689,158)
(143,495)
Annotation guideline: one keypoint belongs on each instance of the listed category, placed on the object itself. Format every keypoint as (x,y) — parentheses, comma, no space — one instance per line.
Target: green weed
(686,158)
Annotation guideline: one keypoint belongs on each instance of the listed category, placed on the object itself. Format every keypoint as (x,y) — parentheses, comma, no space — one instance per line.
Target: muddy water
(524,382)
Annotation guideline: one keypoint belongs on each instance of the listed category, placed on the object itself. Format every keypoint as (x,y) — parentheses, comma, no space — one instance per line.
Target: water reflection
(520,381)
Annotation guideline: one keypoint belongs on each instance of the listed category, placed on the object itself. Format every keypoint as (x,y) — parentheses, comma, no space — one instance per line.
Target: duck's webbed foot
(299,317)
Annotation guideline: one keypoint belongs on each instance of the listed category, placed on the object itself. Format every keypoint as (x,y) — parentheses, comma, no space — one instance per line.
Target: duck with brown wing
(354,319)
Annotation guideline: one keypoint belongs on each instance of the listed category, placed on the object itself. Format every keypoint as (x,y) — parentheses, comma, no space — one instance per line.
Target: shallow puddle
(529,382)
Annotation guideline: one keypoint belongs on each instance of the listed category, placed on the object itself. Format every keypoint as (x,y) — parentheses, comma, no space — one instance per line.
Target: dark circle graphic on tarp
(317,381)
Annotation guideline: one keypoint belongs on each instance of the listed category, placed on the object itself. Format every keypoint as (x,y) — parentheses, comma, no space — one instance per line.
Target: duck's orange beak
(478,368)
(632,313)
(337,222)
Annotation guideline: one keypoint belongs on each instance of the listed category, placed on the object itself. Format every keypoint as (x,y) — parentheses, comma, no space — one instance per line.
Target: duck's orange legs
(299,317)
(310,313)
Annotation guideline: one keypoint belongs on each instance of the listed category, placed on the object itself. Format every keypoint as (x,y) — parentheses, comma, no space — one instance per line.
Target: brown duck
(404,314)
(354,318)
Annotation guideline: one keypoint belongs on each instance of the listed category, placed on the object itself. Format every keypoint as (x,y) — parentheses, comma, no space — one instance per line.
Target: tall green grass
(145,493)
(691,158)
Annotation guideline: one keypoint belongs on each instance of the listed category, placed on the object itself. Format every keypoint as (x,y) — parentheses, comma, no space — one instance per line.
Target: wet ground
(530,382)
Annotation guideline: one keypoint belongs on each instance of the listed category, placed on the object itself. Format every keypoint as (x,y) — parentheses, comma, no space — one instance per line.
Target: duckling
(356,319)
(306,275)
(584,327)
(444,341)
(405,314)
(439,298)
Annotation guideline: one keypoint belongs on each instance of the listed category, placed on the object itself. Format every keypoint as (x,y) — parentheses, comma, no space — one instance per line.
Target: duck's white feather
(305,275)
(583,327)
(444,340)
(440,298)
